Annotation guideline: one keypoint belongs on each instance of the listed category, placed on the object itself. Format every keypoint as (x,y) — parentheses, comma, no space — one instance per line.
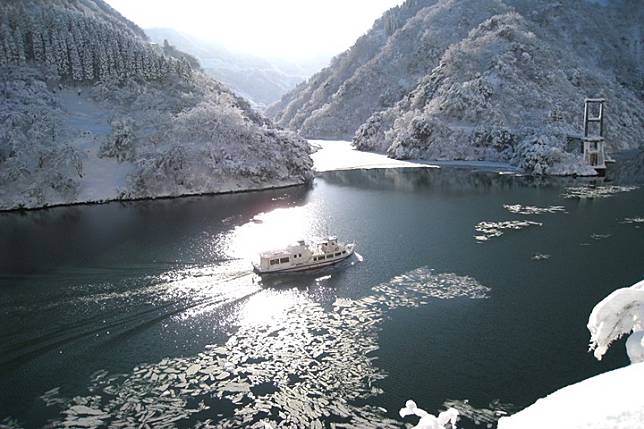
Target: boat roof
(287,251)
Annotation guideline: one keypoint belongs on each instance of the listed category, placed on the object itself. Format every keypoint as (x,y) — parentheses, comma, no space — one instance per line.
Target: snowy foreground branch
(620,313)
(429,421)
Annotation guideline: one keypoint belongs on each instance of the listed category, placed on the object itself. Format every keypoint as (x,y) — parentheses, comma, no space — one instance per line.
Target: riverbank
(236,188)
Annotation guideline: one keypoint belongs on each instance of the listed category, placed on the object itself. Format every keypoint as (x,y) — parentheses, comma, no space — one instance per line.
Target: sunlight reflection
(269,306)
(274,229)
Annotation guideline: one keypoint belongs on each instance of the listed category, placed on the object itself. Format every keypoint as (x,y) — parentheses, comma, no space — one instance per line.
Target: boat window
(300,255)
(338,254)
(344,252)
(329,256)
(274,261)
(284,260)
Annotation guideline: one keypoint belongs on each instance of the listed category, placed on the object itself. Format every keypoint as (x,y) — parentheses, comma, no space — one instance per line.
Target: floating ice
(490,415)
(497,229)
(532,210)
(589,191)
(10,423)
(599,236)
(634,220)
(302,370)
(540,257)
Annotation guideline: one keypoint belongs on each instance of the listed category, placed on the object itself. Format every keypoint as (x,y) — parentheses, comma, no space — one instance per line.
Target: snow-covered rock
(612,400)
(91,111)
(500,80)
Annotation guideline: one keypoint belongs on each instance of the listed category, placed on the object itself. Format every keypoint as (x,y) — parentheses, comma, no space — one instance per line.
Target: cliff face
(92,111)
(499,80)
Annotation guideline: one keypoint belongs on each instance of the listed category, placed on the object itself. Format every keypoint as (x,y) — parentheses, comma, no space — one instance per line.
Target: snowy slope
(612,400)
(91,111)
(500,80)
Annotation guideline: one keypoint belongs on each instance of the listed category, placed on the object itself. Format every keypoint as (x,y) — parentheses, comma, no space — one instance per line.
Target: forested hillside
(501,80)
(92,111)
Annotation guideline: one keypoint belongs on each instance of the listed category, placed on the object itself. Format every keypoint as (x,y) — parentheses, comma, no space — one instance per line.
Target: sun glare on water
(273,230)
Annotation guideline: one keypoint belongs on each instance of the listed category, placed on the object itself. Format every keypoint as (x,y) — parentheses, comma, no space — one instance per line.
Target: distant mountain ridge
(92,111)
(261,81)
(500,80)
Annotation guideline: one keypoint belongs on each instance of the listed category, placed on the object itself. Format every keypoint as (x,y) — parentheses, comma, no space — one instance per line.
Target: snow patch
(612,400)
(620,313)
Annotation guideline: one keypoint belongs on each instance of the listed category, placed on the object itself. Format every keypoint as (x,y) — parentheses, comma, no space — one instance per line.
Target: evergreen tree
(74,59)
(37,46)
(88,62)
(50,53)
(62,59)
(9,46)
(103,64)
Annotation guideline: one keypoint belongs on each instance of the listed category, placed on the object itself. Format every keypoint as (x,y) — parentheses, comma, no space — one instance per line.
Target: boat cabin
(292,255)
(303,256)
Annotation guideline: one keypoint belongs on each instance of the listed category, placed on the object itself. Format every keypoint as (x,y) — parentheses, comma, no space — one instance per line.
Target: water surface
(149,312)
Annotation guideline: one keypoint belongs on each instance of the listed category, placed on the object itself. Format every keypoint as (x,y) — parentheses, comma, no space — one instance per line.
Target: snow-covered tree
(88,63)
(74,59)
(620,313)
(446,419)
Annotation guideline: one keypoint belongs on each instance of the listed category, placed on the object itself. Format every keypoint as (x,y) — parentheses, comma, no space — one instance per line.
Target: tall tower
(594,144)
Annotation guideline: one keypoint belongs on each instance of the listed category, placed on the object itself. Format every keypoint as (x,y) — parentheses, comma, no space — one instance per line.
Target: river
(470,288)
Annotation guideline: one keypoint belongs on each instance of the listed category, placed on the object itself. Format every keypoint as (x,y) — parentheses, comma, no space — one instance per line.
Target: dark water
(160,296)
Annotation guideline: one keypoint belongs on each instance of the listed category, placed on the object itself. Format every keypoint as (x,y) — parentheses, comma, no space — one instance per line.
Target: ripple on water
(304,369)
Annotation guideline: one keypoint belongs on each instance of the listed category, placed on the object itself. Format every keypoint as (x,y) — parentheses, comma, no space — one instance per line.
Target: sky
(285,29)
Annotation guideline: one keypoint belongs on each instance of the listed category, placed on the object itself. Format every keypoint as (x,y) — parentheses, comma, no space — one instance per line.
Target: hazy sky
(288,29)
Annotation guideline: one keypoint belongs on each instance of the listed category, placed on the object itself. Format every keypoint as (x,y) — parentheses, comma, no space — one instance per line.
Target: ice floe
(634,221)
(532,210)
(308,368)
(481,416)
(590,192)
(540,257)
(488,229)
(596,236)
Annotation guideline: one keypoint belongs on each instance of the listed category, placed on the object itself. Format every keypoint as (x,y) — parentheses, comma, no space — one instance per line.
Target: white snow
(497,80)
(84,123)
(429,421)
(612,400)
(332,155)
(340,155)
(104,177)
(620,313)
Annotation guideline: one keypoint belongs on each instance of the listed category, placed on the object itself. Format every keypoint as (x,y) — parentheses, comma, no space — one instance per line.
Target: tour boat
(304,256)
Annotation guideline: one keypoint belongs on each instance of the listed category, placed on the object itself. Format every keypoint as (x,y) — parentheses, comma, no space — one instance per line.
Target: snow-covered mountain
(501,80)
(261,81)
(92,111)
